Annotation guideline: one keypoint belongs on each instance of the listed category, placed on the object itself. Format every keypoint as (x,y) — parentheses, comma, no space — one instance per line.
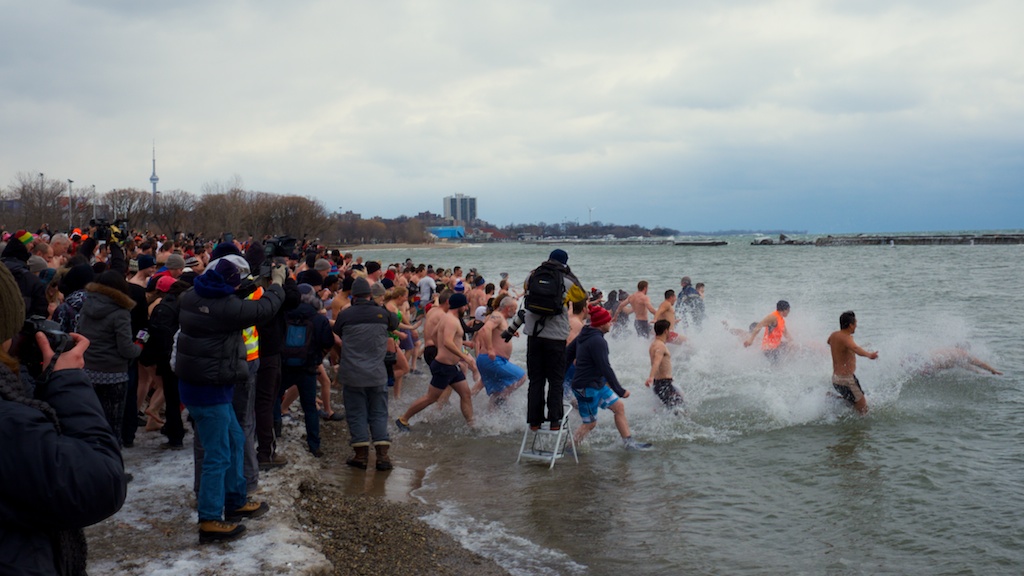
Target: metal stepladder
(548,445)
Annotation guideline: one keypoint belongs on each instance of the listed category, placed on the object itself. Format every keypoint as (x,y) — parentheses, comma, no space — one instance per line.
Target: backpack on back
(545,291)
(297,339)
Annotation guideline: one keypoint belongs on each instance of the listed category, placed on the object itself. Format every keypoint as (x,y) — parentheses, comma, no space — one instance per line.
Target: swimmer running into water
(844,362)
(956,357)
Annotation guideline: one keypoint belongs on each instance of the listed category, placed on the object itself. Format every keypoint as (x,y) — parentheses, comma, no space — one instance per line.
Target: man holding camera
(546,324)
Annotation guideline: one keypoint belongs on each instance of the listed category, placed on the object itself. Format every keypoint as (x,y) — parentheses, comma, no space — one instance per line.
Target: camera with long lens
(107,232)
(278,246)
(513,326)
(27,350)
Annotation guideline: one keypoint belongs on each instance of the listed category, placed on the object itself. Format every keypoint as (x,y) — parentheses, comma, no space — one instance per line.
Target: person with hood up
(105,320)
(210,360)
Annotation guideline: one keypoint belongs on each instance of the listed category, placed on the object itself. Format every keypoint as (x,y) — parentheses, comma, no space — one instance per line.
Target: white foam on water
(518,555)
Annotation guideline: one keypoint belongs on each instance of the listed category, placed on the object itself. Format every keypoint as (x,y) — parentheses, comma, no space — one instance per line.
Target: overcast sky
(843,116)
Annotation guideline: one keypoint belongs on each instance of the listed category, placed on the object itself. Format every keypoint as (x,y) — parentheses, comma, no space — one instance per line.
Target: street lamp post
(93,196)
(70,202)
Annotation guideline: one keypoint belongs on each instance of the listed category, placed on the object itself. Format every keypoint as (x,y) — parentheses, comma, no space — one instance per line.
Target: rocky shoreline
(325,518)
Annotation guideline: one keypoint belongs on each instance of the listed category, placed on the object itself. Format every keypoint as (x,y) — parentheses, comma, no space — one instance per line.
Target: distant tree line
(32,201)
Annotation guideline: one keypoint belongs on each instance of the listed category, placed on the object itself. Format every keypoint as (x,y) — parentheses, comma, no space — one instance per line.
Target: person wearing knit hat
(210,362)
(72,286)
(36,264)
(594,384)
(446,369)
(175,265)
(15,258)
(58,448)
(373,271)
(146,261)
(546,323)
(224,249)
(360,288)
(364,328)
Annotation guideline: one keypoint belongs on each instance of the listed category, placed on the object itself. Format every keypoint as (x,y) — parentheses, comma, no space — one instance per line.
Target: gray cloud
(703,117)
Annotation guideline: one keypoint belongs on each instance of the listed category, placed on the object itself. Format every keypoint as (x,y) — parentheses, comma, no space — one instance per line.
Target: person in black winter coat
(210,360)
(60,467)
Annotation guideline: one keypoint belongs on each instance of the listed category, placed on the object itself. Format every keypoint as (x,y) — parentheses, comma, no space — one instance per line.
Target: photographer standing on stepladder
(546,291)
(62,468)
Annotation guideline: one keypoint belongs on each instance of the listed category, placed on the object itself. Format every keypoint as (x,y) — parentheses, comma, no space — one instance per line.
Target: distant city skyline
(830,117)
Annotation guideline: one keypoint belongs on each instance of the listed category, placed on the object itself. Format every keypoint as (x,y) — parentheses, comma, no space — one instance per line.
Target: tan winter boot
(360,458)
(217,531)
(383,461)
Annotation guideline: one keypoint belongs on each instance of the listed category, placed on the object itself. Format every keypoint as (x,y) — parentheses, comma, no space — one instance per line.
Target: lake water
(765,473)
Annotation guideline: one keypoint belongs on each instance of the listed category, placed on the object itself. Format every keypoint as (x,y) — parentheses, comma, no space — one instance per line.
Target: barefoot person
(956,357)
(446,369)
(640,302)
(661,367)
(844,362)
(500,377)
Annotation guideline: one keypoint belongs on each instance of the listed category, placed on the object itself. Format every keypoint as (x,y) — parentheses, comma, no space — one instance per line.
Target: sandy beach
(325,518)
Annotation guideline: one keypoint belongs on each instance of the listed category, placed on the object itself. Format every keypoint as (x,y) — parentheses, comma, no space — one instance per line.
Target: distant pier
(921,240)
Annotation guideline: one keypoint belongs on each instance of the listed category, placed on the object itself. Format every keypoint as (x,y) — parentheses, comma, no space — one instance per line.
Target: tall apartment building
(460,208)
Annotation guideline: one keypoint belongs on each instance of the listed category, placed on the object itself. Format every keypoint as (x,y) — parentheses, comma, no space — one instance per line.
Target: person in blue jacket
(594,384)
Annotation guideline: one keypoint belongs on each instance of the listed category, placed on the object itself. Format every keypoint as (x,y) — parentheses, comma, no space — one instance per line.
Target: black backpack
(298,337)
(545,291)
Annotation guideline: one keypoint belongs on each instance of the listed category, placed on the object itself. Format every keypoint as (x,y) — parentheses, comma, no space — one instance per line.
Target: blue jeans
(223,484)
(306,383)
(366,411)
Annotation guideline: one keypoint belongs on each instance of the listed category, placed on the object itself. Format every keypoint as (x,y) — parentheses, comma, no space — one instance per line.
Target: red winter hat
(599,316)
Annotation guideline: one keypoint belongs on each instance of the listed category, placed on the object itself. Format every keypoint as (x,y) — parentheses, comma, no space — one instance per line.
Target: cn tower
(154,178)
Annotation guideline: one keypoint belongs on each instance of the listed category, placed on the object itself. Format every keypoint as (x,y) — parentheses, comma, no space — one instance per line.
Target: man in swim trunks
(500,377)
(446,369)
(666,311)
(595,384)
(844,362)
(775,330)
(661,367)
(430,323)
(641,305)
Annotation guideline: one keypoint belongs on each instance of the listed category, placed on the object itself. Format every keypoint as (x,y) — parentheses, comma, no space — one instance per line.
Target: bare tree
(39,200)
(132,204)
(175,212)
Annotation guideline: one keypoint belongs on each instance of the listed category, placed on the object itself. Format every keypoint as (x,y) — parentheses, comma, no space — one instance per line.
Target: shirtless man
(844,362)
(430,323)
(446,369)
(956,357)
(641,305)
(500,376)
(477,296)
(666,311)
(661,367)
